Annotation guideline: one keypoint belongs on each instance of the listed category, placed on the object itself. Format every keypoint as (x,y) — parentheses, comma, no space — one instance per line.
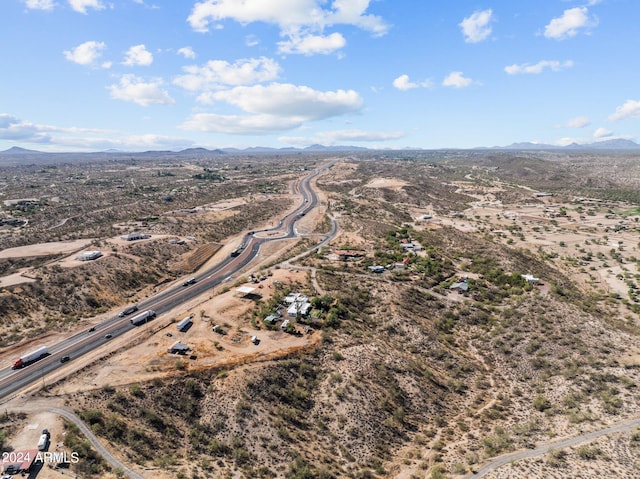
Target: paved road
(500,461)
(85,341)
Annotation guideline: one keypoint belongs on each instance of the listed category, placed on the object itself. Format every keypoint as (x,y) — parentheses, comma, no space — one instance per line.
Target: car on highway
(108,336)
(128,311)
(64,359)
(189,281)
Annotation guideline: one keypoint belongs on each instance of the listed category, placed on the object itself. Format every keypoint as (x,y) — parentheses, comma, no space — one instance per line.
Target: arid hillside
(416,376)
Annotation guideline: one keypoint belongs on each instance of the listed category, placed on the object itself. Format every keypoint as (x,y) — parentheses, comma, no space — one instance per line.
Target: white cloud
(82,139)
(187,52)
(602,133)
(342,136)
(13,128)
(539,67)
(274,108)
(456,80)
(86,53)
(239,124)
(39,4)
(81,6)
(312,44)
(297,19)
(291,101)
(404,83)
(476,28)
(251,40)
(630,109)
(216,73)
(138,55)
(576,122)
(136,90)
(568,25)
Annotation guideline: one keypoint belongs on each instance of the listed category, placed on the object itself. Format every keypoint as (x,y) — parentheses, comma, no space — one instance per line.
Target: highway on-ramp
(91,339)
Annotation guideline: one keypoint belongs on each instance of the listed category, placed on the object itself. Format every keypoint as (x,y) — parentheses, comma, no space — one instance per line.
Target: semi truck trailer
(143,317)
(30,357)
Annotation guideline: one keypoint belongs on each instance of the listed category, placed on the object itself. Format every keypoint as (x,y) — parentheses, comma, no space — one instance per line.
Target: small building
(89,255)
(179,348)
(460,287)
(284,324)
(531,279)
(376,269)
(271,319)
(135,236)
(299,307)
(295,298)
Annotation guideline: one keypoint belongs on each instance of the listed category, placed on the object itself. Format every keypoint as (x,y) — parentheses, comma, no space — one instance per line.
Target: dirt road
(500,461)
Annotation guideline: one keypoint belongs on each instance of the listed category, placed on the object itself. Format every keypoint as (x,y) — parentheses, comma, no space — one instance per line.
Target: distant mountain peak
(16,150)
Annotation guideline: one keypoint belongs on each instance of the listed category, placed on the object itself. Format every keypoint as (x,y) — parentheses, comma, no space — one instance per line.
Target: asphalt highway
(81,343)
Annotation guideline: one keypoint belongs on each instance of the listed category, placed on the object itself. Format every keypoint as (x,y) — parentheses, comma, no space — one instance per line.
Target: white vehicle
(143,317)
(30,357)
(43,443)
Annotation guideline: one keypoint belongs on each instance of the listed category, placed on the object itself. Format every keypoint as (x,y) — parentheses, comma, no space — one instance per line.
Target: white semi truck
(143,317)
(31,357)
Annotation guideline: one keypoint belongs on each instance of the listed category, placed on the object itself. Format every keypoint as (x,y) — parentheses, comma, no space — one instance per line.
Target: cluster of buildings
(135,236)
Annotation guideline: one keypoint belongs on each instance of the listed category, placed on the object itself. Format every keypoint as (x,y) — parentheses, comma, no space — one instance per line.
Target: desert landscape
(468,307)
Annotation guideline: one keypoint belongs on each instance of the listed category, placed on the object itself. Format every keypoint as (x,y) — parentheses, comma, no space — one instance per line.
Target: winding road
(83,342)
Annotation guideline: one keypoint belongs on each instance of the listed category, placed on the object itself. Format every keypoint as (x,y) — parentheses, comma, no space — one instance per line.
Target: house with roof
(461,287)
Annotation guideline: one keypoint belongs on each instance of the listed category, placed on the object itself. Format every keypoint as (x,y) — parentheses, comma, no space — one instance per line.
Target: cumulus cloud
(630,109)
(187,52)
(570,23)
(312,44)
(218,73)
(136,90)
(81,6)
(138,55)
(292,101)
(299,20)
(341,136)
(86,53)
(274,108)
(404,83)
(476,27)
(39,4)
(539,67)
(602,133)
(456,80)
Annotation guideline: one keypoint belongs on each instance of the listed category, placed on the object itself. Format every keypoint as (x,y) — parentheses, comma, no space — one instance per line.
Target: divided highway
(88,340)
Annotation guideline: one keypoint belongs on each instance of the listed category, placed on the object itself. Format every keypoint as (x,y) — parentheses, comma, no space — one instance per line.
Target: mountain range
(16,155)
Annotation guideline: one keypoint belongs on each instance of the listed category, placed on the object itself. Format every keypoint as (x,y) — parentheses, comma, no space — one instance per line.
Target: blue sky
(135,75)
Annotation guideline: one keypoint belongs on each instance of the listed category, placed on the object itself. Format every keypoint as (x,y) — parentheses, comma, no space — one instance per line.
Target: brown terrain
(395,374)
